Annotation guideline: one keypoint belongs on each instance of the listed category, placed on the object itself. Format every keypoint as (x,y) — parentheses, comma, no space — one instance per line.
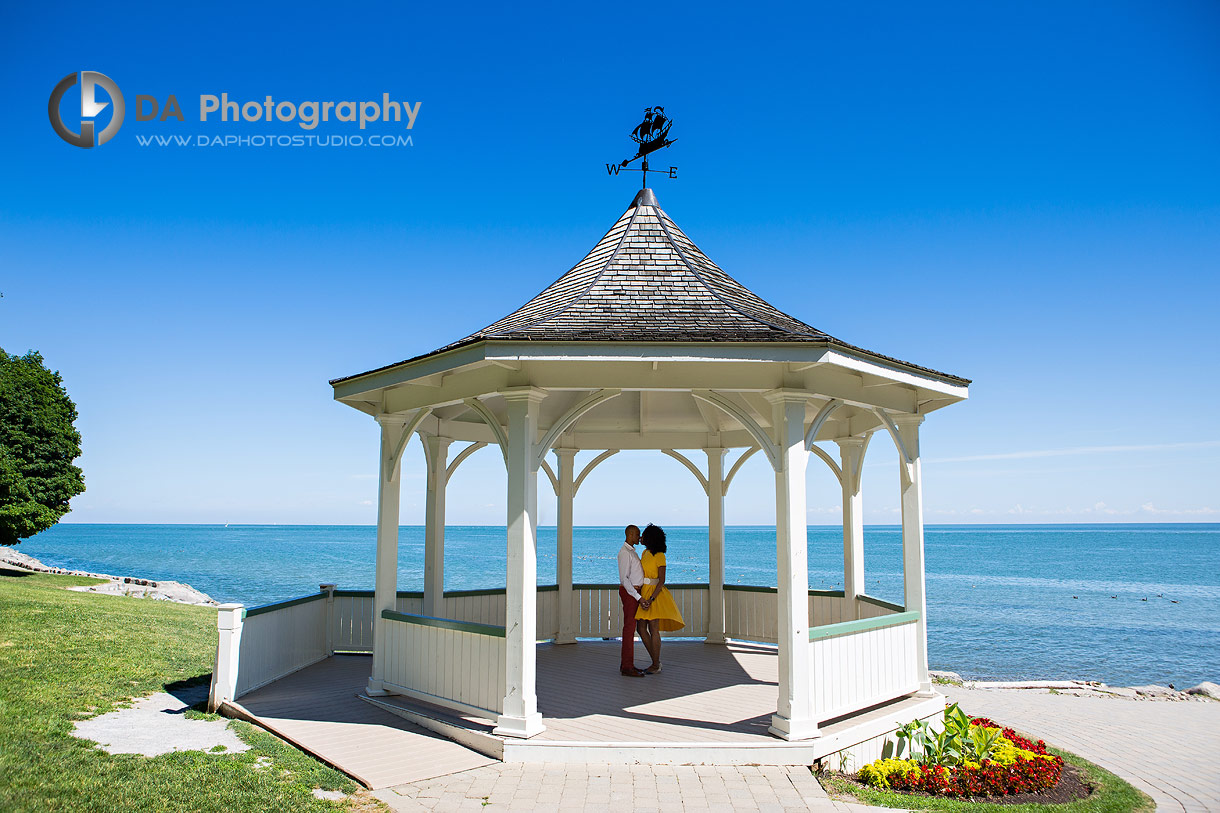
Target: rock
(9,556)
(1153,690)
(945,677)
(142,588)
(1206,689)
(1028,684)
(1117,691)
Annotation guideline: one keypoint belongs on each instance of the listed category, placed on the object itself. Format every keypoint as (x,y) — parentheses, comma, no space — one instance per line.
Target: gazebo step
(471,732)
(861,734)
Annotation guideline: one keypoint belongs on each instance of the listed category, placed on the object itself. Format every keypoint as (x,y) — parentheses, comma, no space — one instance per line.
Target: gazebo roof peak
(646,281)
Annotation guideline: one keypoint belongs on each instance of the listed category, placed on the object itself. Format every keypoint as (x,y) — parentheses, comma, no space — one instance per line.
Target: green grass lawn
(1112,795)
(66,655)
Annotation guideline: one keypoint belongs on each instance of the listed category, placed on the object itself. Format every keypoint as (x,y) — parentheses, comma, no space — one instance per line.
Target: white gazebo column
(436,453)
(914,598)
(520,717)
(851,452)
(563,545)
(385,586)
(715,545)
(794,718)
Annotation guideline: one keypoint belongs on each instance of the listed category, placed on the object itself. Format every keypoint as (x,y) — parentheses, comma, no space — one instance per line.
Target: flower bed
(969,757)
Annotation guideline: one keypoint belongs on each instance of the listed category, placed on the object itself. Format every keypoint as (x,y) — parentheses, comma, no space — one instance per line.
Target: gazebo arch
(648,344)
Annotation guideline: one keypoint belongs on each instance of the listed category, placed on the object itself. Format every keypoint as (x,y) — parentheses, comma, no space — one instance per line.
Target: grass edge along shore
(68,656)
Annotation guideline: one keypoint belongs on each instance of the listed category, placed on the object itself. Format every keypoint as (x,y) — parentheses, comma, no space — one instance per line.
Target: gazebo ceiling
(647,313)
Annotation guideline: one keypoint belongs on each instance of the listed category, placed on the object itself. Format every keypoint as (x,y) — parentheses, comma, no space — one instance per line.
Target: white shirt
(630,571)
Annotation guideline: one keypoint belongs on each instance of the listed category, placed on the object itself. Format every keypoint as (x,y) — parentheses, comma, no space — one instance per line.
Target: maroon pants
(629,606)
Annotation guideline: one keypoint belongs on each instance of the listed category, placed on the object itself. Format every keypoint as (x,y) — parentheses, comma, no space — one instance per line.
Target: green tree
(37,446)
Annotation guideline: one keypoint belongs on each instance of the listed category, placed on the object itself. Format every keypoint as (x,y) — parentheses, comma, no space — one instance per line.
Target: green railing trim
(885,605)
(280,605)
(445,623)
(864,624)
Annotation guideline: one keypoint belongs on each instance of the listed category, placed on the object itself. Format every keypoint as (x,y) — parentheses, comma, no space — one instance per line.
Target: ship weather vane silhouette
(651,135)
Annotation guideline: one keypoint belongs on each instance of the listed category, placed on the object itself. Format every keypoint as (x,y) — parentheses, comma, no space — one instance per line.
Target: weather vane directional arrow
(651,135)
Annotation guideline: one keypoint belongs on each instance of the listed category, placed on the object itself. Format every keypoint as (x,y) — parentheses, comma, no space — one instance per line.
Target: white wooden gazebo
(647,344)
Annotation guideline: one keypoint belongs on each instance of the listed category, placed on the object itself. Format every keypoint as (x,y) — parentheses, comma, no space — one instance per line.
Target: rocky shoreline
(112,585)
(1204,692)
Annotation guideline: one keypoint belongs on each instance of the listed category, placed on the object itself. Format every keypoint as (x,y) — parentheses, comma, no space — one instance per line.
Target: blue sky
(1025,194)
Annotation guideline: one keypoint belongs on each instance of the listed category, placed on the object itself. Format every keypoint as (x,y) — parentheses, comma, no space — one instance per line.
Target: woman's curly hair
(653,538)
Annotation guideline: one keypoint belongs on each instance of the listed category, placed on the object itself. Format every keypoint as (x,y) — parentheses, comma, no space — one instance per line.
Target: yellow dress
(663,608)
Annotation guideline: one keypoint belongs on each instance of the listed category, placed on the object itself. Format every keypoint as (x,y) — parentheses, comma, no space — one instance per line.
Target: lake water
(1095,602)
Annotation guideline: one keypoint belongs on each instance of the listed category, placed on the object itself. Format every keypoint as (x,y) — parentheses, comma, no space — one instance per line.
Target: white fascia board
(409,371)
(898,375)
(516,352)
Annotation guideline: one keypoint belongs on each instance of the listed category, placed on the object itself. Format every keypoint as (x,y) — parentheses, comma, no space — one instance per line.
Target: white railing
(455,664)
(858,664)
(263,644)
(863,649)
(750,613)
(278,639)
(599,610)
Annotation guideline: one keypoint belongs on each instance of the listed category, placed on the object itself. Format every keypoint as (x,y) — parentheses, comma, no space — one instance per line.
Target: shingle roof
(646,281)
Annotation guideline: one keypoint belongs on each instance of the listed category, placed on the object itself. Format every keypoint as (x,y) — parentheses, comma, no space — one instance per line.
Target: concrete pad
(157,725)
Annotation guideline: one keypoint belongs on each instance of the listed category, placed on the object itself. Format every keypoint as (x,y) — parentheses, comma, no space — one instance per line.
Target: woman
(657,612)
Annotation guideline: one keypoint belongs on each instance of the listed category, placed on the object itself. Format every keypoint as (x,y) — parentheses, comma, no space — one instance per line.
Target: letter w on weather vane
(650,135)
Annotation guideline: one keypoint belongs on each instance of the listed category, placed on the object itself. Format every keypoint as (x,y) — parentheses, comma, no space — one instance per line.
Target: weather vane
(651,135)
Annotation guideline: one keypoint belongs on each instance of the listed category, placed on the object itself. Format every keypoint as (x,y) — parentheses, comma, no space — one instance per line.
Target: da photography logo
(90,108)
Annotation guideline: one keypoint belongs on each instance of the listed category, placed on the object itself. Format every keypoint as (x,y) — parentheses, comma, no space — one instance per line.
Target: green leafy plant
(912,738)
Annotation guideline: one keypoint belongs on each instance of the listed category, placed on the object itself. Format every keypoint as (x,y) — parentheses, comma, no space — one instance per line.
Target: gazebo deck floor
(710,704)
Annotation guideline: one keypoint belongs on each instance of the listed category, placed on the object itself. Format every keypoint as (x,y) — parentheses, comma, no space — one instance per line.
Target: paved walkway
(1171,751)
(621,788)
(316,709)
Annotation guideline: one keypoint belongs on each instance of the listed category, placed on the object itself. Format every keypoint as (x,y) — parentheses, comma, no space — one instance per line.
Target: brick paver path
(1171,751)
(617,789)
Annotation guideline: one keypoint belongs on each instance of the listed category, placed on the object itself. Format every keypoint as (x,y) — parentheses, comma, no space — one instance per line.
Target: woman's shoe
(632,672)
(653,670)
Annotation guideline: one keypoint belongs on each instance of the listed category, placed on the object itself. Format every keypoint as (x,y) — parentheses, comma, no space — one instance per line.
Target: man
(630,580)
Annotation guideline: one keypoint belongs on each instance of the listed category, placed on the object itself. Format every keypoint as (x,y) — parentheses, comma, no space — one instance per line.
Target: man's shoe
(633,672)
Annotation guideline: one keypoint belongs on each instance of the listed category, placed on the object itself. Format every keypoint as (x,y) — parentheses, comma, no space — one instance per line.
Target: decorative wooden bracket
(489,418)
(759,434)
(543,447)
(685,461)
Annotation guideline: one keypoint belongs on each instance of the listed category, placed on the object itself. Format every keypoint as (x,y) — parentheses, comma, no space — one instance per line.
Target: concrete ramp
(318,711)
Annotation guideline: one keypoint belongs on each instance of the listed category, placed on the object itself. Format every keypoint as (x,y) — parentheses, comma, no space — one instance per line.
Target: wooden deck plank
(318,710)
(705,693)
